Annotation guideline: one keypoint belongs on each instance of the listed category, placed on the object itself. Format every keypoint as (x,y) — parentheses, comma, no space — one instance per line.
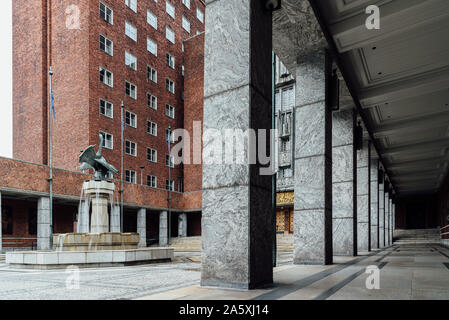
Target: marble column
(43,223)
(374,204)
(393,218)
(344,183)
(237,222)
(182,225)
(115,219)
(387,219)
(1,242)
(363,198)
(390,234)
(163,228)
(313,163)
(381,211)
(142,227)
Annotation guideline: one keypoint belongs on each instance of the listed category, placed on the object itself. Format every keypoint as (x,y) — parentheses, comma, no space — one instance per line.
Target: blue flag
(53,103)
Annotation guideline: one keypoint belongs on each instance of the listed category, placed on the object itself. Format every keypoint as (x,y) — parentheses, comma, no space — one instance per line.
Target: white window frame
(150,72)
(152,19)
(169,31)
(132,4)
(132,176)
(111,77)
(111,46)
(111,14)
(200,15)
(170,60)
(130,90)
(153,128)
(186,3)
(170,111)
(153,153)
(185,24)
(155,99)
(168,84)
(170,9)
(132,119)
(130,31)
(106,103)
(153,181)
(152,46)
(131,143)
(111,140)
(171,185)
(130,60)
(172,136)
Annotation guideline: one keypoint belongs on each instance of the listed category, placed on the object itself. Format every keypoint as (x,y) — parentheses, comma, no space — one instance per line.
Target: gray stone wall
(313,164)
(381,215)
(142,227)
(343,184)
(163,228)
(363,201)
(374,204)
(43,223)
(182,225)
(237,224)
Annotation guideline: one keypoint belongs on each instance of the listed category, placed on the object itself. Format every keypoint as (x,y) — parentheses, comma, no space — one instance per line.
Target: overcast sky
(6,79)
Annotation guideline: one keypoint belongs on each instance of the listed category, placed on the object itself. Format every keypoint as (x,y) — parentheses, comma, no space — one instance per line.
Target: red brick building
(146,54)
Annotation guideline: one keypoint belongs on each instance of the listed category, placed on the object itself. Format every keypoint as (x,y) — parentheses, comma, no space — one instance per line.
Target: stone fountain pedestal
(99,192)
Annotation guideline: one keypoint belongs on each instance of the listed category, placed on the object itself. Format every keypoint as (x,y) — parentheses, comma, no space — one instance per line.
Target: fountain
(97,242)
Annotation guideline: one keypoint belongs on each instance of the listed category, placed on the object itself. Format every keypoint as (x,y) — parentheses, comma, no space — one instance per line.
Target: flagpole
(121,170)
(51,159)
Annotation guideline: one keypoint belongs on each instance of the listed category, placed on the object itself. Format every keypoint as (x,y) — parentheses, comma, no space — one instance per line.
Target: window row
(131,177)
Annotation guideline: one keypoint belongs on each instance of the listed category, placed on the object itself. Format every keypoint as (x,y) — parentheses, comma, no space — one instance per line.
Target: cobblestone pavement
(104,283)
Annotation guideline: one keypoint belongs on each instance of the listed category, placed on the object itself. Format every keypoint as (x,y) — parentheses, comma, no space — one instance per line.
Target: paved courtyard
(406,272)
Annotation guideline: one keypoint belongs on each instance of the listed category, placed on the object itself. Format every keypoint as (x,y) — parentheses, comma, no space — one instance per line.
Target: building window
(169,161)
(152,181)
(130,60)
(186,3)
(182,70)
(131,119)
(170,9)
(170,185)
(186,24)
(182,46)
(130,176)
(152,101)
(152,74)
(106,45)
(151,155)
(152,46)
(200,15)
(152,128)
(132,4)
(151,19)
(7,221)
(170,60)
(106,13)
(130,148)
(106,77)
(170,34)
(108,140)
(131,31)
(106,108)
(170,85)
(169,135)
(170,111)
(180,185)
(130,90)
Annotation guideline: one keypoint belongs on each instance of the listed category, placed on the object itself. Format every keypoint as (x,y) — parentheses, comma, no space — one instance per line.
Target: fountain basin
(87,259)
(95,241)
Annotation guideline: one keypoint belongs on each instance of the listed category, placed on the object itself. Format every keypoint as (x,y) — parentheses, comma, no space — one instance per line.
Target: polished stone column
(142,227)
(313,163)
(182,225)
(43,223)
(163,228)
(115,219)
(237,220)
(381,213)
(390,234)
(374,204)
(344,183)
(1,242)
(363,199)
(393,218)
(387,219)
